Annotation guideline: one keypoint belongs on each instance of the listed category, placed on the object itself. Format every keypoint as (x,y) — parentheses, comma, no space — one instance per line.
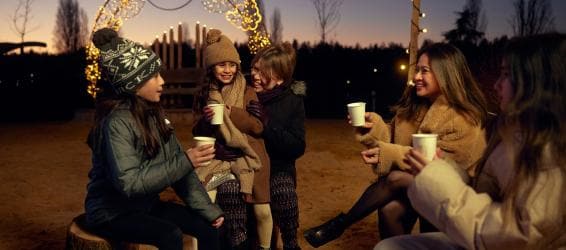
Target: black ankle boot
(326,232)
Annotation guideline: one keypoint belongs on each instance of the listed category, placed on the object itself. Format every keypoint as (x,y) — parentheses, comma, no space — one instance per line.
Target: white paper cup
(426,144)
(203,140)
(357,112)
(218,117)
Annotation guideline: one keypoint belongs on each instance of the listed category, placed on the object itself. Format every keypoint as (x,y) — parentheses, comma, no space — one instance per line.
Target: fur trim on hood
(299,88)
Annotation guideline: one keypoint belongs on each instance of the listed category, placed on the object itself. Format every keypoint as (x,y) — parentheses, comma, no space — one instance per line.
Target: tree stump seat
(78,238)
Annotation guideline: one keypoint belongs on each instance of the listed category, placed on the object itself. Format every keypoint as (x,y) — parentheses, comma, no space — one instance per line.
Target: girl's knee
(399,179)
(262,212)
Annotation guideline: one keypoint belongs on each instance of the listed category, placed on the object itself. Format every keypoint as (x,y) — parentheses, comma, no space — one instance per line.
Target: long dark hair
(456,83)
(537,110)
(144,113)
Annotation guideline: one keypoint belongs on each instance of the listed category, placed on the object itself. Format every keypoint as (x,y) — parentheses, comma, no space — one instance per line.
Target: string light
(111,14)
(257,40)
(245,15)
(217,6)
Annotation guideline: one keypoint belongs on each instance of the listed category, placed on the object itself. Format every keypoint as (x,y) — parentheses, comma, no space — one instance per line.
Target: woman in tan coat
(518,199)
(445,101)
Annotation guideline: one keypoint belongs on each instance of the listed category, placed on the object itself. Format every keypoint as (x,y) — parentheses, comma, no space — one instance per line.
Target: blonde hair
(277,60)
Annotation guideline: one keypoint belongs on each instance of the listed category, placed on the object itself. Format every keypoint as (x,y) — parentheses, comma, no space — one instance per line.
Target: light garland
(257,40)
(218,6)
(246,16)
(111,14)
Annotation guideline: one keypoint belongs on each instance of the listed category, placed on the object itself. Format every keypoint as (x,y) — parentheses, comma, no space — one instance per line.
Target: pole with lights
(413,44)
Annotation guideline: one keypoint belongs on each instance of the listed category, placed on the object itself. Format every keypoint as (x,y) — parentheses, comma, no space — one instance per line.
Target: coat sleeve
(474,220)
(462,142)
(191,191)
(243,120)
(380,131)
(130,172)
(288,140)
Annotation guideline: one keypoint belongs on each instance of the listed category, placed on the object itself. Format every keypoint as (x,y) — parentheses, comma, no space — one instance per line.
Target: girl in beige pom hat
(239,173)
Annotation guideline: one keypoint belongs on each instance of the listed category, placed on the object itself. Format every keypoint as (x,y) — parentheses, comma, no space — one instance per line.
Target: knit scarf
(267,96)
(243,167)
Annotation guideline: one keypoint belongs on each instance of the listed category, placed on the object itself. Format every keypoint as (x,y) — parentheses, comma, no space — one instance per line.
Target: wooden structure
(182,83)
(413,44)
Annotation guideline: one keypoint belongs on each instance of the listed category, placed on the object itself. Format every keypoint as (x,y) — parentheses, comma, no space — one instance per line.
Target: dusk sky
(363,21)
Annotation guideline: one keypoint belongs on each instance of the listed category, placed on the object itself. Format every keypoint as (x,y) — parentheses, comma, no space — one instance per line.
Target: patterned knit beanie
(124,64)
(219,49)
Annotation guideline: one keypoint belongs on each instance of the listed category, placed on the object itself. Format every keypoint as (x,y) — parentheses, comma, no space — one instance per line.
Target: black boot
(326,232)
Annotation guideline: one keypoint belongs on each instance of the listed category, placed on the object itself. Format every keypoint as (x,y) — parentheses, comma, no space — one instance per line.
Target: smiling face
(261,82)
(225,72)
(152,88)
(426,84)
(503,86)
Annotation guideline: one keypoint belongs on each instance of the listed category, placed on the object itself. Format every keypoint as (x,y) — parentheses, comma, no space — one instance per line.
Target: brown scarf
(243,167)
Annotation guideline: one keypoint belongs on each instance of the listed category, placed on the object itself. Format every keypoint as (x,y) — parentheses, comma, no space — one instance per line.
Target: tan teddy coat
(457,137)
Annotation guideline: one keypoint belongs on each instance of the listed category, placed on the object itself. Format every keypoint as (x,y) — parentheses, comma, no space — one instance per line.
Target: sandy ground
(44,166)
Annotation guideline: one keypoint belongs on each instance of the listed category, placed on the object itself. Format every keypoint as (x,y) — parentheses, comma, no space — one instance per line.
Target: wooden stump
(80,239)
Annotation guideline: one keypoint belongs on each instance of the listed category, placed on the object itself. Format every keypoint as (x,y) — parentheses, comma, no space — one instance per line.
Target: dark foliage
(42,87)
(48,87)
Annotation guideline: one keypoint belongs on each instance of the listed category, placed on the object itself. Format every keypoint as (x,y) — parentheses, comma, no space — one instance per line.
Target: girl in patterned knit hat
(135,156)
(239,173)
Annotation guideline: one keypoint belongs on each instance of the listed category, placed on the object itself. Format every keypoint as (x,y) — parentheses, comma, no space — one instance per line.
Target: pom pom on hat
(104,36)
(219,49)
(213,36)
(124,64)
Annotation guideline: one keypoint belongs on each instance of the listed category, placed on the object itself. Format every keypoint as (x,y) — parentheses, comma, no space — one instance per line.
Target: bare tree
(276,27)
(71,31)
(532,17)
(21,19)
(328,16)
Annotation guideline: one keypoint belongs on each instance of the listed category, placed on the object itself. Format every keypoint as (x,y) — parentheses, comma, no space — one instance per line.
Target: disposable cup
(357,111)
(218,117)
(203,140)
(426,144)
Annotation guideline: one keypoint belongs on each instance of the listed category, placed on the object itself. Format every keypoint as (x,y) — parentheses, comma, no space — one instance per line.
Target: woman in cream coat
(518,199)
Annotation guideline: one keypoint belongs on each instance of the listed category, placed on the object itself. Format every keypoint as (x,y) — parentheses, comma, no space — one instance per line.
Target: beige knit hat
(219,49)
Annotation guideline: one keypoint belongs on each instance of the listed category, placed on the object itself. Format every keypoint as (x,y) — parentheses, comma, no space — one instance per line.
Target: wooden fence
(182,83)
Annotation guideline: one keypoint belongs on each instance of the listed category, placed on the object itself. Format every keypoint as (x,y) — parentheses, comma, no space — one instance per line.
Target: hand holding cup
(215,113)
(203,152)
(356,113)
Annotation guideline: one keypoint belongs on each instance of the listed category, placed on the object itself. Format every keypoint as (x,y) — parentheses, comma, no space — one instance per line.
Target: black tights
(378,194)
(162,227)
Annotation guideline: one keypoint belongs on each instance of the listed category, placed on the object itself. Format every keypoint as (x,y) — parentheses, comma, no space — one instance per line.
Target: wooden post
(164,49)
(171,48)
(157,47)
(197,45)
(414,42)
(179,45)
(203,47)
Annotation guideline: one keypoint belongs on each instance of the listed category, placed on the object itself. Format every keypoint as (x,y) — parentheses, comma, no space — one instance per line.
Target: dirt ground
(44,166)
